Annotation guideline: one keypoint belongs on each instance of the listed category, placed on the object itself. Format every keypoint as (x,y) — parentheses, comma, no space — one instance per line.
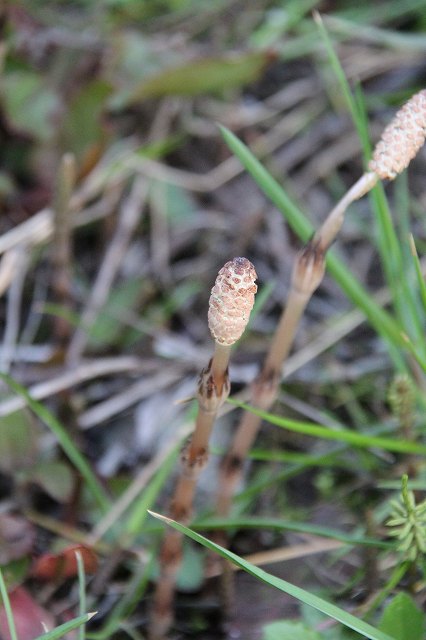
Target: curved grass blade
(63,629)
(300,594)
(419,273)
(343,435)
(64,440)
(250,522)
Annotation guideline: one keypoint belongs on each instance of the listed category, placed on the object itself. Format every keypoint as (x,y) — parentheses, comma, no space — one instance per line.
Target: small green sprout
(408,522)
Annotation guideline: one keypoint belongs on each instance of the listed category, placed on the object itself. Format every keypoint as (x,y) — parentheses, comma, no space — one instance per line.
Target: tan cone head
(402,139)
(231,300)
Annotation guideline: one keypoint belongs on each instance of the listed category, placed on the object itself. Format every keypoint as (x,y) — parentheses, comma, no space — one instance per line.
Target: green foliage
(403,619)
(29,104)
(287,630)
(402,399)
(210,75)
(408,524)
(18,442)
(83,129)
(126,70)
(6,604)
(191,572)
(55,477)
(339,435)
(64,440)
(383,323)
(64,629)
(251,522)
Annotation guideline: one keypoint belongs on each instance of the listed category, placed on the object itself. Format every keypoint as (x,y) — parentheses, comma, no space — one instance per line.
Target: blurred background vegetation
(107,260)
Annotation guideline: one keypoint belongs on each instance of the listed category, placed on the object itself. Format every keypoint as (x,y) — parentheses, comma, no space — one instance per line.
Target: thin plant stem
(62,245)
(390,157)
(307,275)
(81,592)
(7,608)
(231,302)
(330,228)
(212,392)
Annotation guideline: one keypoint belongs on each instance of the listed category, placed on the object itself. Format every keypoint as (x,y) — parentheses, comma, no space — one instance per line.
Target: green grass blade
(137,516)
(298,222)
(329,609)
(420,279)
(7,608)
(63,629)
(251,522)
(415,317)
(302,460)
(383,323)
(64,440)
(337,69)
(343,435)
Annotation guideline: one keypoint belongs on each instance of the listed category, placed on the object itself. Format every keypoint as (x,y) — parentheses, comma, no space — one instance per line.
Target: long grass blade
(63,629)
(343,435)
(329,609)
(420,279)
(251,522)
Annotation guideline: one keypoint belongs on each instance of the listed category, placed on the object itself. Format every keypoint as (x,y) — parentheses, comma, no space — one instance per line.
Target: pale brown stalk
(62,245)
(231,301)
(307,275)
(400,142)
(327,233)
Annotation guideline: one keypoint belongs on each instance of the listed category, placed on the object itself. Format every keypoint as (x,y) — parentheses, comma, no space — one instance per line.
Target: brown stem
(213,390)
(263,394)
(331,226)
(307,274)
(62,249)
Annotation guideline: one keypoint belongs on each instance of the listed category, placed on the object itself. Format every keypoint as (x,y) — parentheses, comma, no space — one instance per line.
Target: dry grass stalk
(231,302)
(399,144)
(62,245)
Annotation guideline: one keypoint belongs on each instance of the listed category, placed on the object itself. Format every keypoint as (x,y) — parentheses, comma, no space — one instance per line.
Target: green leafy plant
(408,524)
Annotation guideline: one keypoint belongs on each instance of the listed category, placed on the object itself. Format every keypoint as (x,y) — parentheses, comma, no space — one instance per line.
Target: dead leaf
(31,620)
(56,566)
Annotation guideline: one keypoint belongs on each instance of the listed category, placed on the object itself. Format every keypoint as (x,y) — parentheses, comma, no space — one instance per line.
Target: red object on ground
(29,617)
(53,566)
